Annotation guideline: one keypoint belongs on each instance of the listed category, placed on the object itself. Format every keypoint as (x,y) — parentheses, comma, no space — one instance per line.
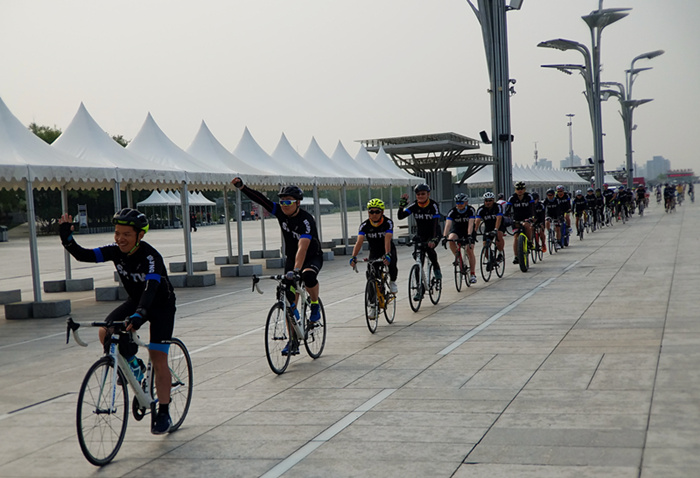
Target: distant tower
(535,153)
(570,124)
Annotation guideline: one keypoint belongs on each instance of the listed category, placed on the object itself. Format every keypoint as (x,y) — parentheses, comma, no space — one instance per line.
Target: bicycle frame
(299,290)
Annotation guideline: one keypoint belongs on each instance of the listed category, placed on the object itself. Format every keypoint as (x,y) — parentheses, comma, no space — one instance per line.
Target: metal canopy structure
(430,153)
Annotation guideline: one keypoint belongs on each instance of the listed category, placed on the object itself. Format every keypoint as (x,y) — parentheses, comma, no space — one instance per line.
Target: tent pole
(129,196)
(117,196)
(33,249)
(262,228)
(228,227)
(184,199)
(239,227)
(391,202)
(64,210)
(317,212)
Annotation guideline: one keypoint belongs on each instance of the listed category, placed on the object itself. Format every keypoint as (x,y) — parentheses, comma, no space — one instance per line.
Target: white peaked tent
(206,148)
(285,153)
(250,152)
(341,161)
(27,162)
(385,162)
(535,177)
(378,175)
(85,139)
(157,199)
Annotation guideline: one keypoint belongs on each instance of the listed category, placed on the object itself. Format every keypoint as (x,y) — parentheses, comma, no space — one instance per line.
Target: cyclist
(610,196)
(641,195)
(580,205)
(151,297)
(565,204)
(520,206)
(691,192)
(459,224)
(490,213)
(669,196)
(552,211)
(599,207)
(301,244)
(623,199)
(591,201)
(379,231)
(426,212)
(540,219)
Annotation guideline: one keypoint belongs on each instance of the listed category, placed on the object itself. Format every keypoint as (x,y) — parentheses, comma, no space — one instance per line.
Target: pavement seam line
(296,457)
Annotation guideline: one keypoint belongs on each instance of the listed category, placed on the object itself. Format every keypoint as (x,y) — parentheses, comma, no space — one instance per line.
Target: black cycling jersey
(609,195)
(427,219)
(641,193)
(552,209)
(624,196)
(301,225)
(599,201)
(564,202)
(521,207)
(459,220)
(143,273)
(669,192)
(375,235)
(540,213)
(489,216)
(590,200)
(580,205)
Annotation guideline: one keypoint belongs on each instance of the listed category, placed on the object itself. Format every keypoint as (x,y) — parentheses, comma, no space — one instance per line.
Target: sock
(163,408)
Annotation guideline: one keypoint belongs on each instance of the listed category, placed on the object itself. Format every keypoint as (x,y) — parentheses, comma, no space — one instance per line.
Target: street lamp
(597,20)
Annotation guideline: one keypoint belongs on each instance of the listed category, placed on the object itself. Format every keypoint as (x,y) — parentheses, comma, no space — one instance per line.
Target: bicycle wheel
(485,262)
(533,249)
(101,426)
(315,339)
(458,272)
(466,272)
(180,365)
(500,266)
(522,253)
(434,285)
(415,288)
(390,307)
(276,338)
(371,305)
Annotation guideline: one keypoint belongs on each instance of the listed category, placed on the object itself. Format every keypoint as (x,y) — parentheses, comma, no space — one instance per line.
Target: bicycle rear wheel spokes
(458,273)
(466,272)
(415,288)
(276,338)
(522,253)
(101,424)
(485,262)
(315,338)
(390,307)
(435,285)
(371,305)
(180,365)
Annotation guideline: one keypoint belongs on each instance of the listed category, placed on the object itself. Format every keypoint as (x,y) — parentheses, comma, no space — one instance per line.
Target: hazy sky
(346,70)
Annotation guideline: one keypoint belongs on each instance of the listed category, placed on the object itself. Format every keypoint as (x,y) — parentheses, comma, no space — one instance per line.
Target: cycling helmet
(131,217)
(291,191)
(560,187)
(578,192)
(520,185)
(590,190)
(375,204)
(461,197)
(550,191)
(501,196)
(597,190)
(489,195)
(535,196)
(421,187)
(605,185)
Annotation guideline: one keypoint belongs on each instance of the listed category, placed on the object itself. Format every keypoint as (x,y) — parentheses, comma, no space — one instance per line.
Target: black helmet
(535,195)
(421,187)
(131,217)
(291,191)
(550,191)
(461,197)
(501,196)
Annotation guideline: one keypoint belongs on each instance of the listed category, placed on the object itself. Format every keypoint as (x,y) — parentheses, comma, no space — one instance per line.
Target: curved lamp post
(596,21)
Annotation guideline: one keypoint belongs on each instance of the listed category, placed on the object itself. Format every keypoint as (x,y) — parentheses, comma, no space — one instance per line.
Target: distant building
(657,166)
(544,163)
(567,163)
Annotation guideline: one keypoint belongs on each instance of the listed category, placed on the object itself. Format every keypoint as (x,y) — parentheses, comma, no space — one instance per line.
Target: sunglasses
(286,202)
(459,203)
(520,189)
(488,200)
(375,211)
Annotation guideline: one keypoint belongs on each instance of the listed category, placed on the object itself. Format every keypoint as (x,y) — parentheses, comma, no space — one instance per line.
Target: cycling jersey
(145,279)
(521,207)
(375,235)
(564,202)
(552,209)
(459,221)
(641,193)
(609,195)
(590,200)
(580,205)
(427,219)
(540,212)
(301,225)
(489,216)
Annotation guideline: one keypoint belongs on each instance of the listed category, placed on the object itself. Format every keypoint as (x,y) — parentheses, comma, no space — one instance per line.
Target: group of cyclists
(151,297)
(674,194)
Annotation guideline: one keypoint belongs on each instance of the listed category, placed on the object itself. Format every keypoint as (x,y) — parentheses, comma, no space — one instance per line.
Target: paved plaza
(586,366)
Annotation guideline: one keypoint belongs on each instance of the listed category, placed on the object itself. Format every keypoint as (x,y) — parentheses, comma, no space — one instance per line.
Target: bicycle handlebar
(72,326)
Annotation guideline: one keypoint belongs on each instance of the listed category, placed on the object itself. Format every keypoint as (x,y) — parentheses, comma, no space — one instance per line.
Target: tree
(120,139)
(46,133)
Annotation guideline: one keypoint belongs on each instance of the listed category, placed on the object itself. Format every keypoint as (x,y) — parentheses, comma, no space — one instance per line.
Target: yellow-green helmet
(375,203)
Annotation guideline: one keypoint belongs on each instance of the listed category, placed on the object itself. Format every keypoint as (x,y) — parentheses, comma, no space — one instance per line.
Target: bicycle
(462,272)
(641,206)
(418,281)
(554,244)
(609,215)
(523,246)
(103,401)
(580,226)
(536,252)
(489,258)
(378,295)
(284,329)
